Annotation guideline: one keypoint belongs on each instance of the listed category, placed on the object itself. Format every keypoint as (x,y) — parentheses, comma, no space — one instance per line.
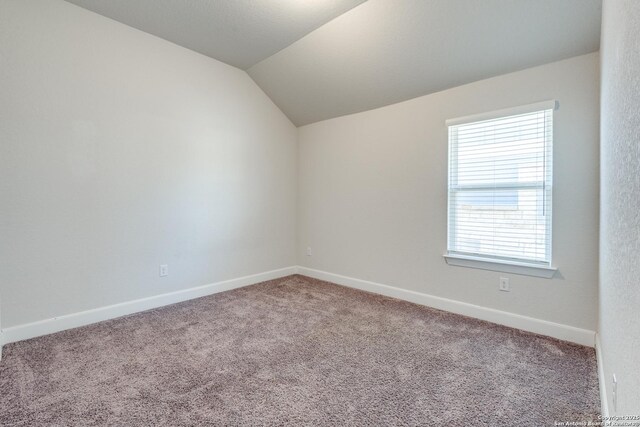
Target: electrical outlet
(614,394)
(504,284)
(164,270)
(309,252)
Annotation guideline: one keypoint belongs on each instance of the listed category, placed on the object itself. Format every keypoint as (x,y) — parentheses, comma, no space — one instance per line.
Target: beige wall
(373,194)
(120,151)
(620,210)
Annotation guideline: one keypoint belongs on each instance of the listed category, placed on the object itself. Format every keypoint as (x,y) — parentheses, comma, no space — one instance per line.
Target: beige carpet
(296,351)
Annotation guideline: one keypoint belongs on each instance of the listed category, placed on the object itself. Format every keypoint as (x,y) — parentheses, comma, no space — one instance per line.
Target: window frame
(493,262)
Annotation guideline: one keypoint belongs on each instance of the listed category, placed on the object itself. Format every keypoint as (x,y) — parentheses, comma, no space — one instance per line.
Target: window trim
(491,264)
(541,269)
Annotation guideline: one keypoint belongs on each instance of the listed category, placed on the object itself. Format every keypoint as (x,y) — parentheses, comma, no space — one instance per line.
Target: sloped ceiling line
(319,59)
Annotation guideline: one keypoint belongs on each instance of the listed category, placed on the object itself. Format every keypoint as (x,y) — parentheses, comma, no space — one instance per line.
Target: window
(500,185)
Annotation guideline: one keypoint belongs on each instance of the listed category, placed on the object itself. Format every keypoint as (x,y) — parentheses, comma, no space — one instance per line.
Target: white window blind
(500,185)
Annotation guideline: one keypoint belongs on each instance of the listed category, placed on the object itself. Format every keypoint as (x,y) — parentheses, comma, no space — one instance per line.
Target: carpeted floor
(296,351)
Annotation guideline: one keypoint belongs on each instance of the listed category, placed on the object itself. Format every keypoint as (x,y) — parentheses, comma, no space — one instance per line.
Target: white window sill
(503,266)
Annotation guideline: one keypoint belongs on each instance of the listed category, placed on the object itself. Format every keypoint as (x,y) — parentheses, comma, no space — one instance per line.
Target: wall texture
(620,204)
(120,151)
(373,194)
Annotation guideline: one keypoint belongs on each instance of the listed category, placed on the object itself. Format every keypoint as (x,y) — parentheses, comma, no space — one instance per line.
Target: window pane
(509,224)
(500,187)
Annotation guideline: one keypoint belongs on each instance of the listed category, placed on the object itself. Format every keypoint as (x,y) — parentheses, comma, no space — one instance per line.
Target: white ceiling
(238,32)
(374,54)
(386,51)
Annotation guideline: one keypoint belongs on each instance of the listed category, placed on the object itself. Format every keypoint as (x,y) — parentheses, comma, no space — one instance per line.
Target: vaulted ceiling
(319,59)
(238,32)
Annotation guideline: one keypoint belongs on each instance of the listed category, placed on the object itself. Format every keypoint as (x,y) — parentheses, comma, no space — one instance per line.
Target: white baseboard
(74,320)
(604,402)
(543,327)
